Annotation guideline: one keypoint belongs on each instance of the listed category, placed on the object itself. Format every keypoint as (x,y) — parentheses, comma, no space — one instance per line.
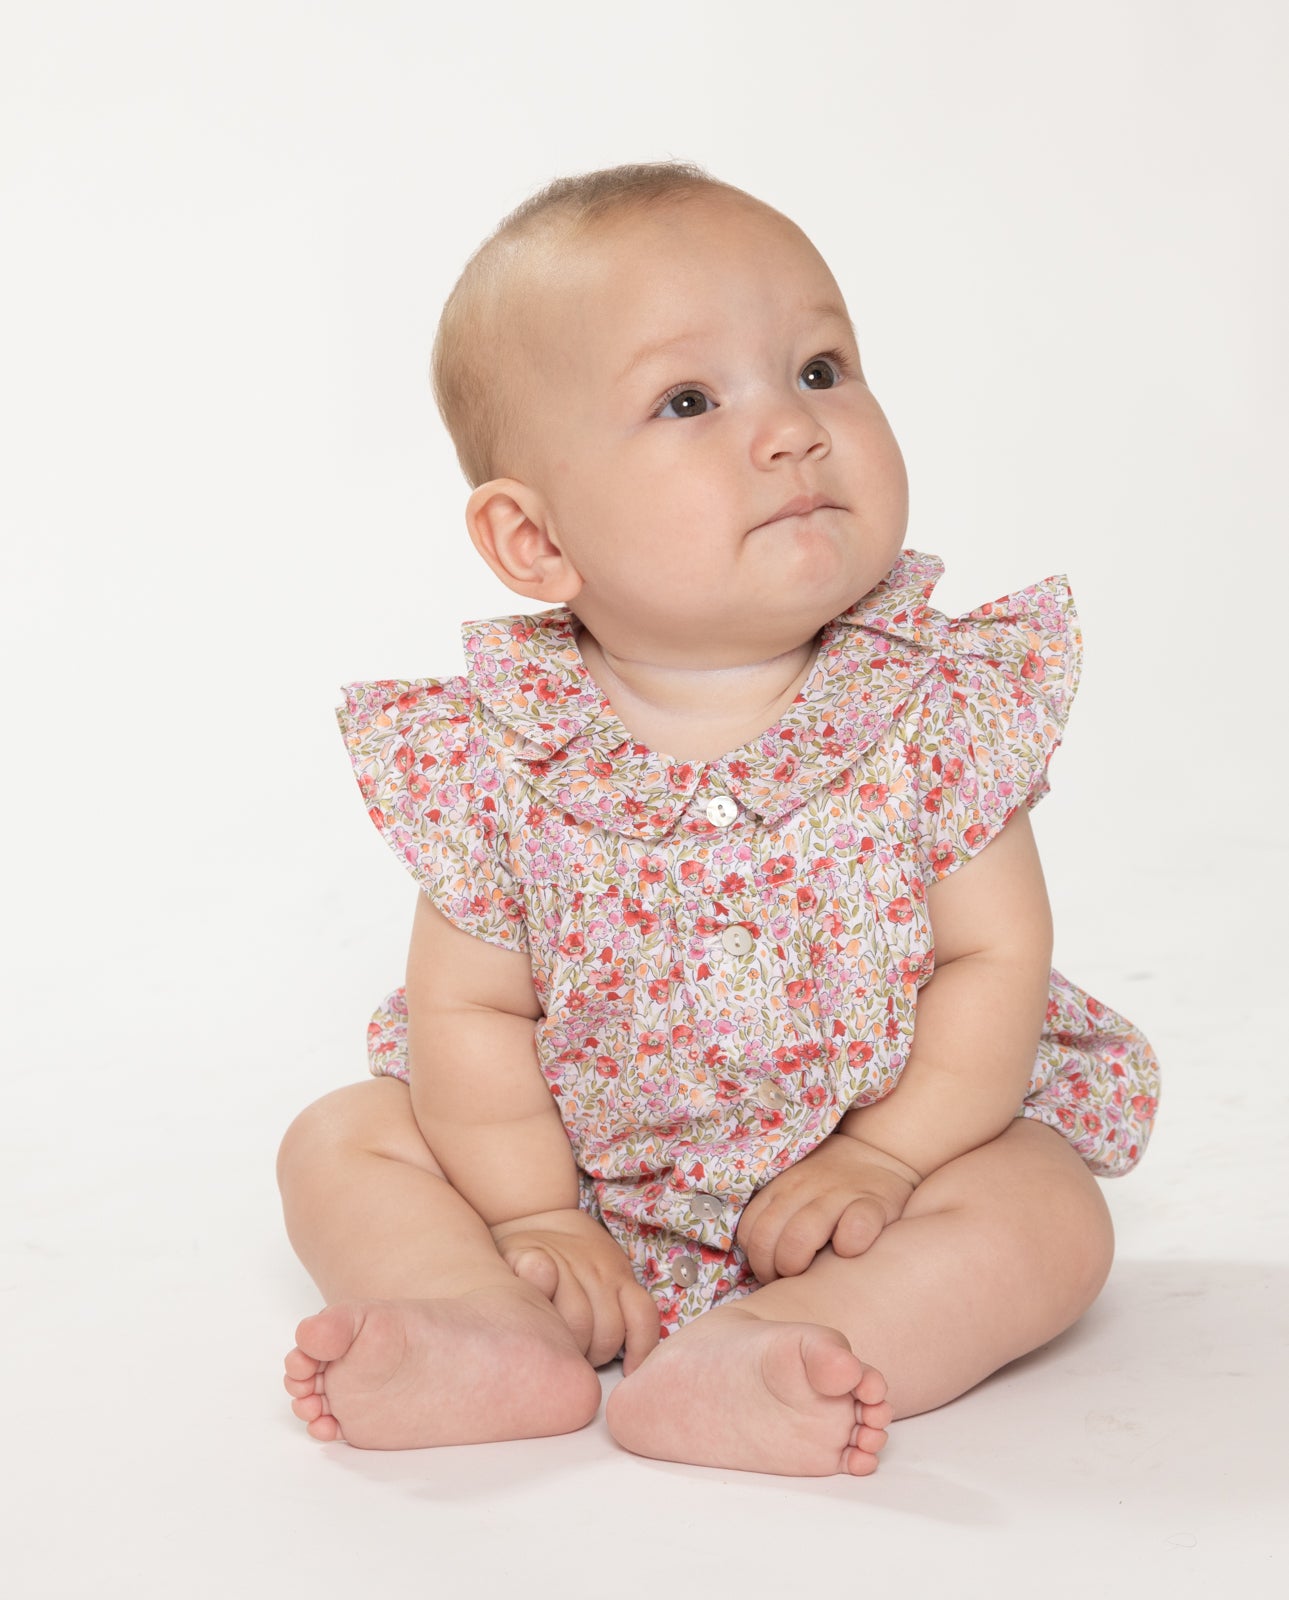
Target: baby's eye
(685,403)
(821,373)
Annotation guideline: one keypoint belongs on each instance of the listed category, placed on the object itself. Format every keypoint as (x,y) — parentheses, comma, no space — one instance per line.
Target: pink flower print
(652,1043)
(900,910)
(873,796)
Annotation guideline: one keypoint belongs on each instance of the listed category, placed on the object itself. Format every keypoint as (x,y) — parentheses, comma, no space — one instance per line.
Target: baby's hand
(844,1191)
(575,1262)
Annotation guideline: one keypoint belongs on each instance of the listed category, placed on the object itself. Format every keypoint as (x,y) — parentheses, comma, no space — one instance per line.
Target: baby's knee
(369,1118)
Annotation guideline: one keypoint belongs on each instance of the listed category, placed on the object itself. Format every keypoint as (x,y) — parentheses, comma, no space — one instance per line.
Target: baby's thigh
(1035,1211)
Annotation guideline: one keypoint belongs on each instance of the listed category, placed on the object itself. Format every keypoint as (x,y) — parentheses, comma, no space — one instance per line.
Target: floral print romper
(728,954)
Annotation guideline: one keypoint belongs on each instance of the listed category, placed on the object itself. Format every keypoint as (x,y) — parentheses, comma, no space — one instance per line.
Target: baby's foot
(734,1390)
(399,1374)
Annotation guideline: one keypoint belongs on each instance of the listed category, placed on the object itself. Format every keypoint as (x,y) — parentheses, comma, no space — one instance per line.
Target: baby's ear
(508,525)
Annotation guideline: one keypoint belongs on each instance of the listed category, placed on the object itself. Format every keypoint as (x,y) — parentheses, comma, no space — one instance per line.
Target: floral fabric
(728,954)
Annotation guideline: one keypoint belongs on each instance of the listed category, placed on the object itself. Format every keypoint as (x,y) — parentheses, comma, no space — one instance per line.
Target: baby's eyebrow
(829,310)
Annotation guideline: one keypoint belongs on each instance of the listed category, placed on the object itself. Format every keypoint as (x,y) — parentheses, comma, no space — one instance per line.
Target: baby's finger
(803,1235)
(761,1239)
(573,1304)
(609,1331)
(858,1226)
(640,1318)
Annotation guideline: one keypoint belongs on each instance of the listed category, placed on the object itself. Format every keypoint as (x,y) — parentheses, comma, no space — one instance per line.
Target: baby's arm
(979,1019)
(492,1124)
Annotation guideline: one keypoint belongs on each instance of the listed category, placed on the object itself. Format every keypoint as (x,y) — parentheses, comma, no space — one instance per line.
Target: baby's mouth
(801,506)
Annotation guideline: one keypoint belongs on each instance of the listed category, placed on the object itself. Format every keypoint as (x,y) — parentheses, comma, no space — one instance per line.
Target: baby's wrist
(882,1158)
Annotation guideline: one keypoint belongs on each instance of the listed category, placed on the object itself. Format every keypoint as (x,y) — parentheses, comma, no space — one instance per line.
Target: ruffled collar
(529,675)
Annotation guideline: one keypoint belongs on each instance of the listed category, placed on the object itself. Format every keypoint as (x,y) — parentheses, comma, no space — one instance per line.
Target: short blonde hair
(470,350)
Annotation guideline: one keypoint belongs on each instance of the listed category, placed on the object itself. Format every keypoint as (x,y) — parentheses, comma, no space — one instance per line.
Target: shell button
(684,1271)
(721,811)
(737,939)
(771,1096)
(704,1207)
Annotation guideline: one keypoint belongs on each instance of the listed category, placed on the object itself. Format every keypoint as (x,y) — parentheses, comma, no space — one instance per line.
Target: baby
(730,1042)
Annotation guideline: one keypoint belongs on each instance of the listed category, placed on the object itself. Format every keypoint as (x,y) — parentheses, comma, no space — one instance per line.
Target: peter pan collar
(529,676)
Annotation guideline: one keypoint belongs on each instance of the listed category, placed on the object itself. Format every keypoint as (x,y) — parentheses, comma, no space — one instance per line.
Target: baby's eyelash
(839,359)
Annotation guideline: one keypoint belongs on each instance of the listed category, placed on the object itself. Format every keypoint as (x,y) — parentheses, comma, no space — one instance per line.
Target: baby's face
(697,424)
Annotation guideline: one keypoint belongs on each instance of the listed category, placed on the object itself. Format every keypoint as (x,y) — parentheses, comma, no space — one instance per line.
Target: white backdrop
(228,229)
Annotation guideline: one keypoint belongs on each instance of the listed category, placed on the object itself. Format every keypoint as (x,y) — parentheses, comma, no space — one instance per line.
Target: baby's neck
(697,713)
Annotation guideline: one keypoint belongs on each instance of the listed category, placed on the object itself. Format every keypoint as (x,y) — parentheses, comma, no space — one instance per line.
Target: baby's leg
(428,1337)
(995,1254)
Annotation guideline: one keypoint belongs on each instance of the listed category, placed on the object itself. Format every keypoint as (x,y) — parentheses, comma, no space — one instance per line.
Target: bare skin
(432,1338)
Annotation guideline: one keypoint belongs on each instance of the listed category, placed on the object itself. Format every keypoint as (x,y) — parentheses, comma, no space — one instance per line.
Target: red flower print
(573,944)
(815,1096)
(975,835)
(866,846)
(681,1034)
(606,1066)
(599,769)
(900,910)
(692,873)
(714,1056)
(801,991)
(912,753)
(1032,666)
(931,801)
(739,769)
(943,857)
(377,815)
(404,758)
(768,1121)
(807,898)
(548,689)
(786,1059)
(659,990)
(872,796)
(1091,1122)
(651,869)
(680,777)
(952,770)
(708,925)
(417,786)
(778,870)
(733,883)
(858,1051)
(786,768)
(704,971)
(536,816)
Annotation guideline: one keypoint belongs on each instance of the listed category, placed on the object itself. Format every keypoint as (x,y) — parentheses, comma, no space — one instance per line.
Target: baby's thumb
(533,1266)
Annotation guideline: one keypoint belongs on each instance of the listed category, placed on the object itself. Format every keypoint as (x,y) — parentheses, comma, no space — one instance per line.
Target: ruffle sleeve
(989,717)
(431,783)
